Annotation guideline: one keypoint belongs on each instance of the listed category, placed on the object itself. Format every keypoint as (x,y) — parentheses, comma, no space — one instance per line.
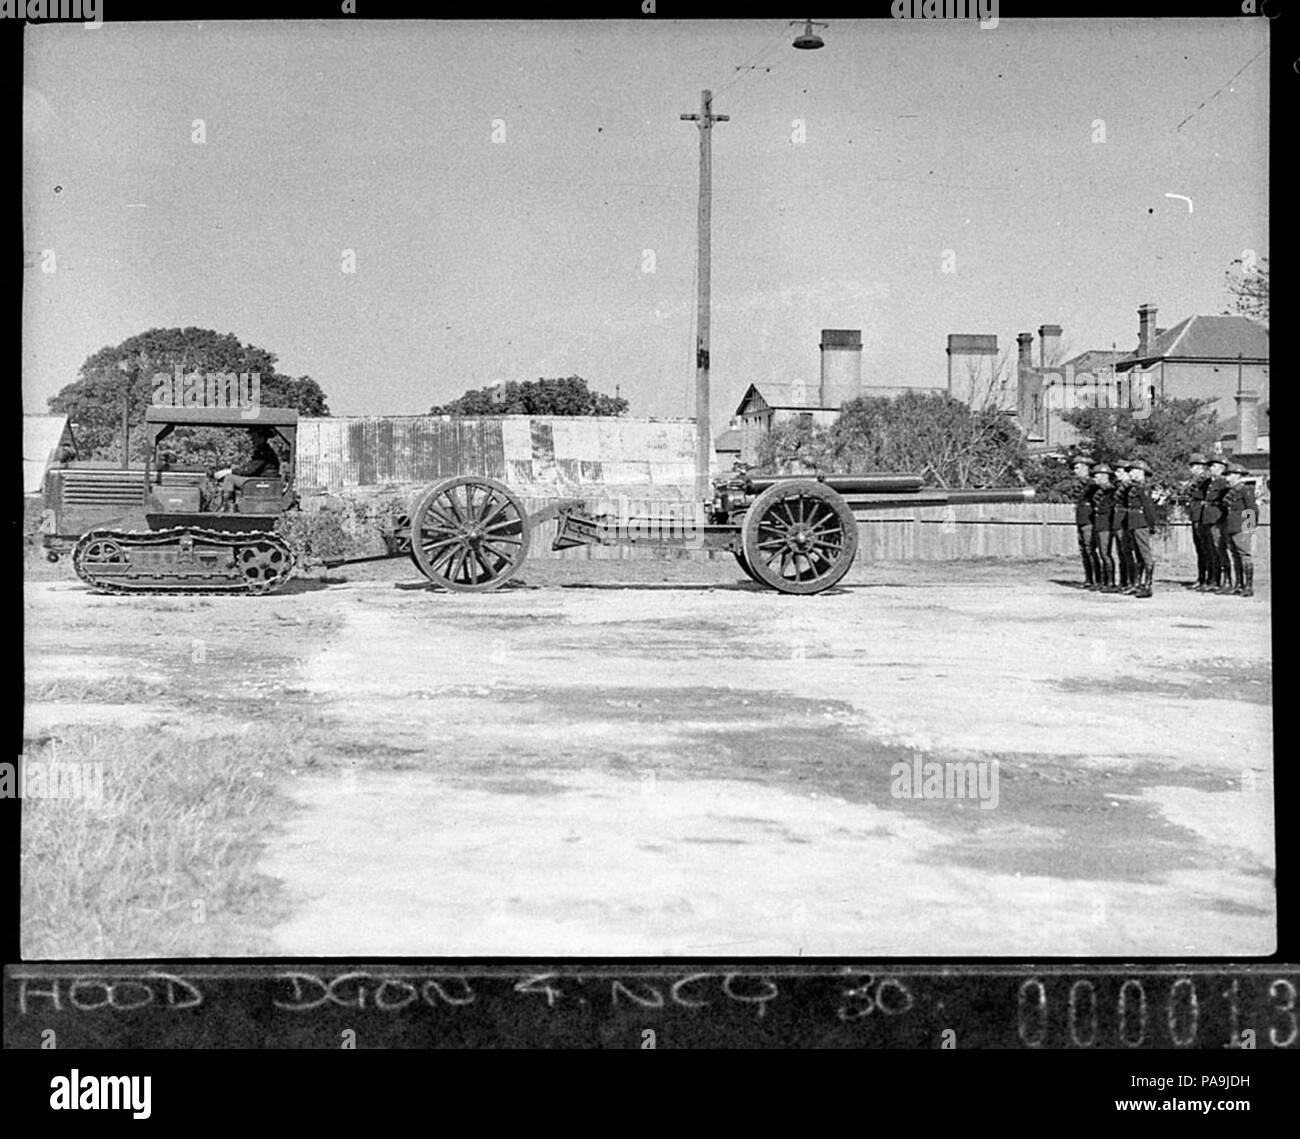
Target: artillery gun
(153,529)
(794,534)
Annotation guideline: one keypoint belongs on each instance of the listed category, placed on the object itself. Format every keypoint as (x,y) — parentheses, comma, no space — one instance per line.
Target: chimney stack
(1049,344)
(1146,326)
(841,350)
(1247,423)
(1025,345)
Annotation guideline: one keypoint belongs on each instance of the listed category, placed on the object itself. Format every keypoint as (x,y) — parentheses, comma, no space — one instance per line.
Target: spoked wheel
(94,550)
(97,550)
(469,534)
(799,537)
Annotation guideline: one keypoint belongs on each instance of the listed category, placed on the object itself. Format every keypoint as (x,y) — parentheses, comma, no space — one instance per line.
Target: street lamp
(808,40)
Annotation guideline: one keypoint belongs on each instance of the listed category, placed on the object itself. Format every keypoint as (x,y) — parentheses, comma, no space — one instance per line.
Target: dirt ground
(660,758)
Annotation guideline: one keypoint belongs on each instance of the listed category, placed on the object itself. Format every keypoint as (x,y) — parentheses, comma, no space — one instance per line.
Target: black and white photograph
(647,488)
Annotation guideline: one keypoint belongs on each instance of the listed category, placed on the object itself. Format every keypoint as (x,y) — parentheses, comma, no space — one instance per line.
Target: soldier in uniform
(1142,519)
(1083,490)
(1103,526)
(1240,514)
(1195,508)
(265,462)
(1123,537)
(1212,519)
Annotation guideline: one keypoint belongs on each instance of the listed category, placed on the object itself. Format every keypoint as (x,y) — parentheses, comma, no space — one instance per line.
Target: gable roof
(782,394)
(1207,338)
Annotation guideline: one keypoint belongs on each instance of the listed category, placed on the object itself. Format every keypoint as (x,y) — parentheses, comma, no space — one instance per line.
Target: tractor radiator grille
(103,488)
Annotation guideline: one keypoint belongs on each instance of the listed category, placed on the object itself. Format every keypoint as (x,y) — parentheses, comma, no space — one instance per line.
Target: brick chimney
(1247,423)
(841,365)
(1025,346)
(1146,329)
(1049,344)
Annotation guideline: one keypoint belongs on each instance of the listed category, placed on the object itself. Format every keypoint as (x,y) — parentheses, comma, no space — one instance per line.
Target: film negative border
(398,1005)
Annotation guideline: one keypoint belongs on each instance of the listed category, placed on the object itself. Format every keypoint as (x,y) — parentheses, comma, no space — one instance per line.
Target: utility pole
(125,367)
(704,434)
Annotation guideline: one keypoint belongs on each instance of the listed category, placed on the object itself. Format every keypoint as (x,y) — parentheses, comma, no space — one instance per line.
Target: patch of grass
(163,864)
(1251,682)
(109,690)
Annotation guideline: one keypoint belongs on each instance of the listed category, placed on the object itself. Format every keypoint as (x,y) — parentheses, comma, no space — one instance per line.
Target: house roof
(1094,360)
(728,440)
(41,435)
(782,394)
(1206,338)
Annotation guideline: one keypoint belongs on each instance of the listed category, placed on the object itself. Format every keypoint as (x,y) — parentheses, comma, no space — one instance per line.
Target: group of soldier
(1116,518)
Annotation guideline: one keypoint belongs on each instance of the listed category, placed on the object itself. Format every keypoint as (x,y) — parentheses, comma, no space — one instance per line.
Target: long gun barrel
(880,490)
(869,483)
(939,498)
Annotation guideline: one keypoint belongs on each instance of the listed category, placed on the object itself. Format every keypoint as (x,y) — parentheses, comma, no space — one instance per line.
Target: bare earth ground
(657,757)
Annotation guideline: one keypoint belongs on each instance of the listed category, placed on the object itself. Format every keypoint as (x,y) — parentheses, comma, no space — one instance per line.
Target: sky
(520,199)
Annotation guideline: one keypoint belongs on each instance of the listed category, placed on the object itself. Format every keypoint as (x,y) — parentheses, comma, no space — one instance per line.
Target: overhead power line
(1221,89)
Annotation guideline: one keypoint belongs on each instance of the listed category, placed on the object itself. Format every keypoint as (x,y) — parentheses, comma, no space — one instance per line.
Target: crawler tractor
(155,528)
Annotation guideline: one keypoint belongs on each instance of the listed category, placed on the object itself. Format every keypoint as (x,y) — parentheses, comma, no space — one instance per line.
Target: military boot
(1225,581)
(1248,589)
(1144,583)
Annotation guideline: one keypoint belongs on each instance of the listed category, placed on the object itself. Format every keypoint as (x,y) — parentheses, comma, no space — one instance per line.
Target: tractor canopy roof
(222,416)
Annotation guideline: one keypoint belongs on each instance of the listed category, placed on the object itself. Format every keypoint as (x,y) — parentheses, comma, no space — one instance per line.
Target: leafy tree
(796,446)
(1249,290)
(94,400)
(568,396)
(939,438)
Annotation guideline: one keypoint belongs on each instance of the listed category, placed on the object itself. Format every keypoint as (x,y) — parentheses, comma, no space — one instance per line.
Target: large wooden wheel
(799,537)
(744,564)
(469,534)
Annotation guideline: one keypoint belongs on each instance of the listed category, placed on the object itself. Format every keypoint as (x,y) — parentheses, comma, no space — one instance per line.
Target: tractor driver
(265,463)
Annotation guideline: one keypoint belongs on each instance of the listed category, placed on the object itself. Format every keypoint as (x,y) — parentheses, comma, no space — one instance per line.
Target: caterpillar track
(184,559)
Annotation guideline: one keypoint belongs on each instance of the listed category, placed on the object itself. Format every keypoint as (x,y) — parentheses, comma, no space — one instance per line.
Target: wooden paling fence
(1020,531)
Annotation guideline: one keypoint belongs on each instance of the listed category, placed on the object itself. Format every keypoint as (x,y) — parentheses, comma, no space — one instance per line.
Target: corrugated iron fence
(535,455)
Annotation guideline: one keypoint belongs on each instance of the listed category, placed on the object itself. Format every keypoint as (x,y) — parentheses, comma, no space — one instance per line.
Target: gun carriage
(794,534)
